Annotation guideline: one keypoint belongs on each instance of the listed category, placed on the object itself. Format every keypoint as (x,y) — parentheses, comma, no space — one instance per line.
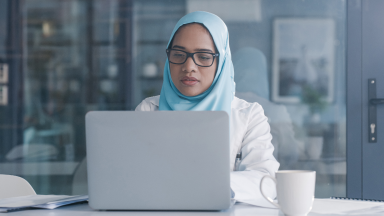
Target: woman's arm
(149,104)
(257,161)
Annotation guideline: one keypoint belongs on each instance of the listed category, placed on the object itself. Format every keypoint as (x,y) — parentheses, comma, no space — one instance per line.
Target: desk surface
(85,210)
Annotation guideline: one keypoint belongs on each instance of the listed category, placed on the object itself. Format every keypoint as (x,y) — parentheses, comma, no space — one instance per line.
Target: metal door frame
(354,99)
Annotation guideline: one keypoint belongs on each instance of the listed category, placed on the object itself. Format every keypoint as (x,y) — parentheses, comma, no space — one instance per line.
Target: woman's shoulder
(245,106)
(149,104)
(238,105)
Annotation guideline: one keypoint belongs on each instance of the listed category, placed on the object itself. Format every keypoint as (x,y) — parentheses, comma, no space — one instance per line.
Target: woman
(198,75)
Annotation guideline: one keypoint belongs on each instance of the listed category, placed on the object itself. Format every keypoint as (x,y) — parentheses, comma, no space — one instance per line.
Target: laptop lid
(167,160)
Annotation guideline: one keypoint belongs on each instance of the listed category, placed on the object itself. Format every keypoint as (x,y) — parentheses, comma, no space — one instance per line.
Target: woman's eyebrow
(204,50)
(179,47)
(198,50)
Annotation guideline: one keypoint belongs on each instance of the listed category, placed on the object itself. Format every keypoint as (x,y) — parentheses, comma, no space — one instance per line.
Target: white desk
(85,210)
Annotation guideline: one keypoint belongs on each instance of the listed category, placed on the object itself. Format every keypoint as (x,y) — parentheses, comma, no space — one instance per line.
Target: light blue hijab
(219,96)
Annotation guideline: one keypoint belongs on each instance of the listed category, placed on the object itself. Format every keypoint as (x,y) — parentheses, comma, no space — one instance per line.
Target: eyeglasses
(202,59)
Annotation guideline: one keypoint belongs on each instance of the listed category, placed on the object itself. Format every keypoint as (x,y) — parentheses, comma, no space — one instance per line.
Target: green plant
(314,99)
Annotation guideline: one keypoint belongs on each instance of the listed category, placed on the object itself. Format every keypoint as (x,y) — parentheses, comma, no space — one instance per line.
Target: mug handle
(262,193)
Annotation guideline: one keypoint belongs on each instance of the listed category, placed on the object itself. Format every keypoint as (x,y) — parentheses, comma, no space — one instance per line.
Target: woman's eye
(178,55)
(205,57)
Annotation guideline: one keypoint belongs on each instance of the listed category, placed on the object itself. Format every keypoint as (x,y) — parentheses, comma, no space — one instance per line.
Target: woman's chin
(190,93)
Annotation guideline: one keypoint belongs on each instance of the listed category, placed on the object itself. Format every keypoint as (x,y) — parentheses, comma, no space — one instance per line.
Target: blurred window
(66,58)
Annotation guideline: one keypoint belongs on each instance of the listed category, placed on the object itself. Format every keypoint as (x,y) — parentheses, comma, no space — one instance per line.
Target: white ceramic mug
(295,191)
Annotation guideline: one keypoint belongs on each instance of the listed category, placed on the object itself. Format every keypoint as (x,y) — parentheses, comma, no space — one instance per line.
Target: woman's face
(189,78)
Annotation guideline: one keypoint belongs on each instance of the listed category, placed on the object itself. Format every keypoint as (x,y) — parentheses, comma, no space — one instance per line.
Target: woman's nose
(189,65)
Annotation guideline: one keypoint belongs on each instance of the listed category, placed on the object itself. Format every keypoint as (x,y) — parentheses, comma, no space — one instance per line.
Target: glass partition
(78,56)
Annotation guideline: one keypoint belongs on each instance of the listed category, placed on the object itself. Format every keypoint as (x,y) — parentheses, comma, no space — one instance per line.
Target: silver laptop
(175,160)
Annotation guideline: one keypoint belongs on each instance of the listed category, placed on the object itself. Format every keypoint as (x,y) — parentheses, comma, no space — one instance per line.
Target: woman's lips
(190,81)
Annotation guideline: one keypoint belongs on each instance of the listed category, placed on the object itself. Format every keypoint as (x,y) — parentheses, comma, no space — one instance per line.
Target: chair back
(13,186)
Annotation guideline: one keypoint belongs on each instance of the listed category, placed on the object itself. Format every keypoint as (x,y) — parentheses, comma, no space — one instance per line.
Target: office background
(61,59)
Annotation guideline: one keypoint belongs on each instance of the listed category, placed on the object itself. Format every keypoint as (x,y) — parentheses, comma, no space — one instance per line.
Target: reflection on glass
(109,55)
(252,85)
(298,76)
(75,60)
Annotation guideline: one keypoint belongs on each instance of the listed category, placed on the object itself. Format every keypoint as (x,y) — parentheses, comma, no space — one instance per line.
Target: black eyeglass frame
(168,51)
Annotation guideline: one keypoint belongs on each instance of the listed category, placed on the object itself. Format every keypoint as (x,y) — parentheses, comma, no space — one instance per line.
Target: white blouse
(250,134)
